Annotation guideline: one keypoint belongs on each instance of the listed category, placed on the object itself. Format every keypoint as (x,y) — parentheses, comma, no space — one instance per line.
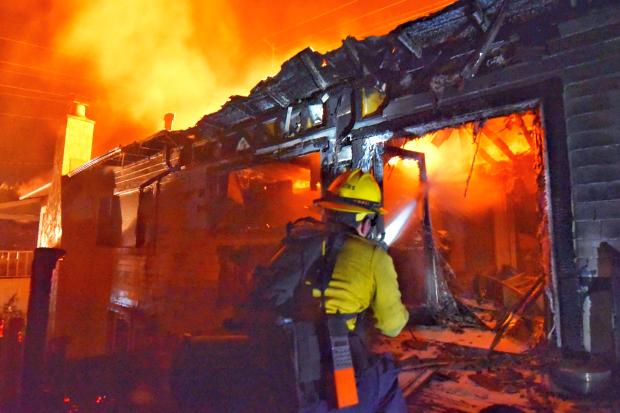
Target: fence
(15,264)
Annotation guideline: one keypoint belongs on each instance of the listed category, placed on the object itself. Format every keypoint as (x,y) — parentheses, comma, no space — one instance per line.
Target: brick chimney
(77,144)
(168,118)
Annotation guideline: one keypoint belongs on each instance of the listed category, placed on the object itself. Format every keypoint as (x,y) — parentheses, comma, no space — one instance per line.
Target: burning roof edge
(310,72)
(411,49)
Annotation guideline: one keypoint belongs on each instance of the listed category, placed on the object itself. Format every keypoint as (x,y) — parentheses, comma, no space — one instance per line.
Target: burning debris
(498,163)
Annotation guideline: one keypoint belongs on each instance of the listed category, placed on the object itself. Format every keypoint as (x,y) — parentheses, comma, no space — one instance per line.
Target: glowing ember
(300,185)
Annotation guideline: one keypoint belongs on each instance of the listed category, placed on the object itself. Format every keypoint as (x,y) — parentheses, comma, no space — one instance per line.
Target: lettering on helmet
(348,186)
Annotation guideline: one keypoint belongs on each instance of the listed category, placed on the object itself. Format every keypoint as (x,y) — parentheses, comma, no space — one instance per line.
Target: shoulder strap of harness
(331,246)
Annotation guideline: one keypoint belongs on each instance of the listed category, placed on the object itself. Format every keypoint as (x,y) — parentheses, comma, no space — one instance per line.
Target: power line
(26,163)
(376,10)
(359,17)
(6,62)
(412,17)
(16,115)
(34,97)
(16,41)
(44,76)
(42,92)
(318,16)
(403,17)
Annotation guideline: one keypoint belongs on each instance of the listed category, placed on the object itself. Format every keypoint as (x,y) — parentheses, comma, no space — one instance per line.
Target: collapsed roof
(405,59)
(317,97)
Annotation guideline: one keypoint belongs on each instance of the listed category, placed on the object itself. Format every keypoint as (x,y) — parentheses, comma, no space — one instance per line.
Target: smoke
(8,192)
(149,57)
(156,56)
(133,61)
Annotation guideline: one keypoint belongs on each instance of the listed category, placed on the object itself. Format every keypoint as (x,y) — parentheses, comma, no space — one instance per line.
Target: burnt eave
(420,65)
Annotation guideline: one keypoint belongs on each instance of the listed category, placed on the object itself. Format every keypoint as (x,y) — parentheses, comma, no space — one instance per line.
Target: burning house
(490,125)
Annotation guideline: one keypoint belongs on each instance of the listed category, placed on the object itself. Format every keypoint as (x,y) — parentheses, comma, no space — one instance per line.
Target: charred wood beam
(378,129)
(413,363)
(480,16)
(477,137)
(154,179)
(495,50)
(277,96)
(418,124)
(439,299)
(159,143)
(486,157)
(472,68)
(410,44)
(353,54)
(357,99)
(502,283)
(377,161)
(211,124)
(168,159)
(208,129)
(501,145)
(129,158)
(145,151)
(432,283)
(526,133)
(441,136)
(419,366)
(287,120)
(343,109)
(505,324)
(406,154)
(311,141)
(362,155)
(239,104)
(306,58)
(419,382)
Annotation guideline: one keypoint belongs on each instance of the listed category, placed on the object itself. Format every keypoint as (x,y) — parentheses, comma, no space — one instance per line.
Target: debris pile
(447,371)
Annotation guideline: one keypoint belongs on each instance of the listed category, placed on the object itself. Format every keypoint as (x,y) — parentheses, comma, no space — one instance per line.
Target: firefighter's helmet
(355,192)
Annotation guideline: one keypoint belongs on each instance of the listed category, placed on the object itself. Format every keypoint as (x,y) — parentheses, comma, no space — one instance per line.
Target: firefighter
(325,278)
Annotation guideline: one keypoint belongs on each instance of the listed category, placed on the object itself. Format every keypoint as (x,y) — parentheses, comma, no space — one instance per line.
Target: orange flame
(153,62)
(449,154)
(185,56)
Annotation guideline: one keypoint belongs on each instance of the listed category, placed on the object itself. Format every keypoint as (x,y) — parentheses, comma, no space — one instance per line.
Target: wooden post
(33,370)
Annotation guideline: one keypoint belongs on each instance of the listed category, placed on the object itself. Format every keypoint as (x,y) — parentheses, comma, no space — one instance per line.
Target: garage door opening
(487,212)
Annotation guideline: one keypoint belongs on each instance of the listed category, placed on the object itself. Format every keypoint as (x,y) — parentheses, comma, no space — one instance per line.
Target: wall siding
(592,103)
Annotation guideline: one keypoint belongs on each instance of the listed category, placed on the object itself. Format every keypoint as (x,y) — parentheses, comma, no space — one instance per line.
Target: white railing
(15,264)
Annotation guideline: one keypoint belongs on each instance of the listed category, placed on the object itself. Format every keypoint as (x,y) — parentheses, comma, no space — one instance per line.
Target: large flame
(184,56)
(155,59)
(133,61)
(457,157)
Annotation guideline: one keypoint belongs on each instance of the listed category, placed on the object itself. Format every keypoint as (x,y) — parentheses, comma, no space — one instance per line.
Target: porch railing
(15,264)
